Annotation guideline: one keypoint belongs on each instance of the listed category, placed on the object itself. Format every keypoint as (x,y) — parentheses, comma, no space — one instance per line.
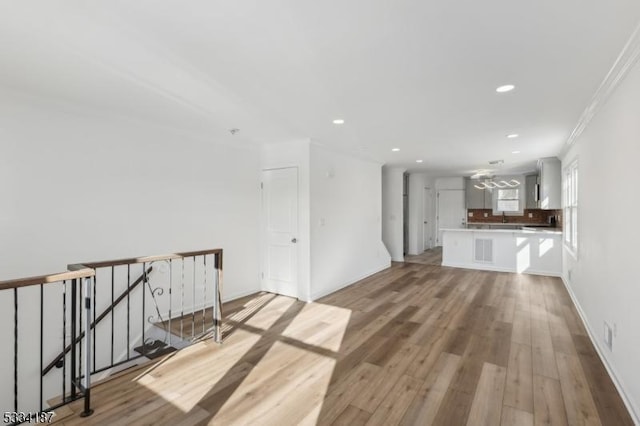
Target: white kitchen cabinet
(550,183)
(477,198)
(531,187)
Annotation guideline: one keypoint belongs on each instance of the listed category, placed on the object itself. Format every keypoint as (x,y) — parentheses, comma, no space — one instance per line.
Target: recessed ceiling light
(505,88)
(513,135)
(515,152)
(418,161)
(395,149)
(338,121)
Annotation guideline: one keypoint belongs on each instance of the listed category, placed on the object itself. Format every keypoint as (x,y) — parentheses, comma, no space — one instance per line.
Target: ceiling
(419,76)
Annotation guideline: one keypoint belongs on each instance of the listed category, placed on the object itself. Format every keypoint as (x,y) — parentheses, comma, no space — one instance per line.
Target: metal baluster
(217,319)
(80,331)
(128,310)
(193,305)
(94,320)
(41,340)
(64,341)
(72,369)
(182,304)
(170,296)
(87,349)
(144,286)
(204,298)
(15,349)
(112,309)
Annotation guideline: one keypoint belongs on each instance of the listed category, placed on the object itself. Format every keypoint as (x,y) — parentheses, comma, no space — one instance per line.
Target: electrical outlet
(608,336)
(486,215)
(530,215)
(470,214)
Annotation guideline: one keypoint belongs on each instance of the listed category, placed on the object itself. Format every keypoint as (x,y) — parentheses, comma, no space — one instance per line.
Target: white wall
(392,212)
(604,277)
(81,185)
(450,183)
(346,227)
(296,154)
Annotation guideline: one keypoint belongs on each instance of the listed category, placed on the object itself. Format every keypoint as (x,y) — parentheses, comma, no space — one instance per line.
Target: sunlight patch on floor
(186,378)
(277,393)
(265,318)
(251,307)
(326,334)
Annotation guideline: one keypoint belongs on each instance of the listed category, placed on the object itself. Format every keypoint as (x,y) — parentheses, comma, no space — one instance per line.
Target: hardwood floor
(412,345)
(428,257)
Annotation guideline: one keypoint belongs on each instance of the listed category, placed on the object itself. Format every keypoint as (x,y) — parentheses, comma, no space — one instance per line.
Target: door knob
(294,240)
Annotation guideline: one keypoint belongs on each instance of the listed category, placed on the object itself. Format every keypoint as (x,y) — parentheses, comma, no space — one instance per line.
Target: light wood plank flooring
(428,257)
(412,345)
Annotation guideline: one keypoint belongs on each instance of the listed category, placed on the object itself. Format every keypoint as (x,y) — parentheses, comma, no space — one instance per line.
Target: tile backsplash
(538,216)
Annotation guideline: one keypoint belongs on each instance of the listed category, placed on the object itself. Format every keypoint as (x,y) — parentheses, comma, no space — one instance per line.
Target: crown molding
(621,67)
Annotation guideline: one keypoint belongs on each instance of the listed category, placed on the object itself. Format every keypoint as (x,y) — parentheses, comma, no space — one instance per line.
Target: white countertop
(537,225)
(544,231)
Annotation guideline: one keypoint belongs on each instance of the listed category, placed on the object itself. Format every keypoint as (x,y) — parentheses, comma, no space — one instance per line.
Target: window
(508,200)
(571,207)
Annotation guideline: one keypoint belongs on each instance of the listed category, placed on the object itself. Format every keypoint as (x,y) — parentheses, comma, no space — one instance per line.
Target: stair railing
(59,360)
(191,298)
(73,382)
(194,280)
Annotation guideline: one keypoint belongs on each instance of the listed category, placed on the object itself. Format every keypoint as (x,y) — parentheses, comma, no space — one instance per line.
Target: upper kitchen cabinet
(477,198)
(532,187)
(550,183)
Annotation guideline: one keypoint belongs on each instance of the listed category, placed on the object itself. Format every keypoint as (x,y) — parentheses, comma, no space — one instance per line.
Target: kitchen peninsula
(528,250)
(513,224)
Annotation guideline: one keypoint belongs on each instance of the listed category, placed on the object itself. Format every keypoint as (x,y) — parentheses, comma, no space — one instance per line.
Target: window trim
(521,202)
(517,199)
(571,207)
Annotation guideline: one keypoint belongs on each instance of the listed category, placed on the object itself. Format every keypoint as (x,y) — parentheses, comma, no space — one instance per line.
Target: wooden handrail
(83,272)
(145,259)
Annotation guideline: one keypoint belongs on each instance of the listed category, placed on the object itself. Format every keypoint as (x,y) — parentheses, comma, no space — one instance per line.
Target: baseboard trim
(240,295)
(379,268)
(476,266)
(610,369)
(494,268)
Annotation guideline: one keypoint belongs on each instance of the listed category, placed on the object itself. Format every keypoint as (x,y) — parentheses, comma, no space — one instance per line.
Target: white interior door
(451,211)
(280,231)
(427,225)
